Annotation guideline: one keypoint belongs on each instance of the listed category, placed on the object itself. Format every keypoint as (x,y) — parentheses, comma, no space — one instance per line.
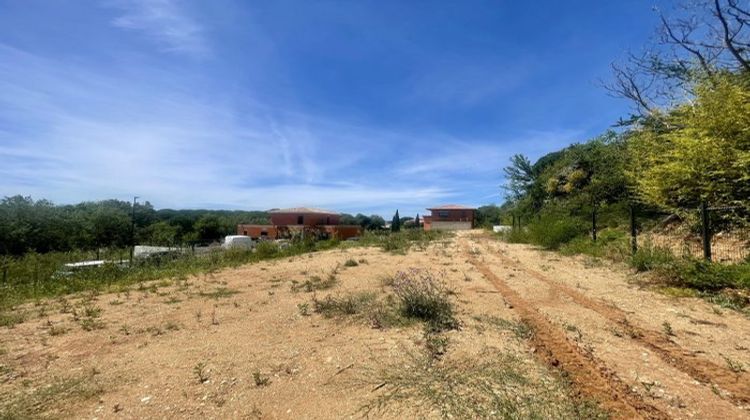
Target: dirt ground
(246,343)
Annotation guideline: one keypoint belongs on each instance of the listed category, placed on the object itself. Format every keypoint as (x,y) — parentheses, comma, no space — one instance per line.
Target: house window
(443,214)
(300,220)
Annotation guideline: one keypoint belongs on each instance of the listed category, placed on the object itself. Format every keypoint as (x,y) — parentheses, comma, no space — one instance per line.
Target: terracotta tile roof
(305,210)
(451,207)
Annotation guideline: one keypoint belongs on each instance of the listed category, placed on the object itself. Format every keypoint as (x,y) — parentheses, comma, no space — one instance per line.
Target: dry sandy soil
(545,332)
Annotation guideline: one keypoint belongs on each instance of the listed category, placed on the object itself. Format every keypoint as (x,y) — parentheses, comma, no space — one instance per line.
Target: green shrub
(708,276)
(651,258)
(266,249)
(516,236)
(611,243)
(550,232)
(689,272)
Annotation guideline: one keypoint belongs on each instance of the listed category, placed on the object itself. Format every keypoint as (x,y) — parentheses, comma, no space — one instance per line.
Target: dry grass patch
(219,293)
(11,318)
(492,385)
(51,399)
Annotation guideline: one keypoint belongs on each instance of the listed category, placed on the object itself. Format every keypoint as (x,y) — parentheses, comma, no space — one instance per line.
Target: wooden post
(5,271)
(706,231)
(633,230)
(593,224)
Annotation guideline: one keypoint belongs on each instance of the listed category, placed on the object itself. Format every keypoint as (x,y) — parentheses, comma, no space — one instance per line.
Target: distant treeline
(28,225)
(42,226)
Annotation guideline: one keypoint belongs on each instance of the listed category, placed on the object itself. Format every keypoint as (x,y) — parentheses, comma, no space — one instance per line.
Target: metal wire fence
(715,233)
(719,234)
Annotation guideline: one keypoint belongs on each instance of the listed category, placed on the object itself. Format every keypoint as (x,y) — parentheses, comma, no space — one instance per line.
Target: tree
(110,227)
(417,222)
(699,40)
(210,228)
(705,156)
(396,223)
(488,215)
(161,233)
(519,176)
(362,220)
(347,219)
(376,222)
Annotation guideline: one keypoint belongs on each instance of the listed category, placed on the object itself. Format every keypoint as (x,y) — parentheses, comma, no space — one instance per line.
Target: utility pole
(132,231)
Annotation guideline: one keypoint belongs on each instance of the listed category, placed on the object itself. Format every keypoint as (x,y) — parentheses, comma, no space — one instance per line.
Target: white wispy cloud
(480,156)
(78,134)
(460,81)
(166,23)
(72,131)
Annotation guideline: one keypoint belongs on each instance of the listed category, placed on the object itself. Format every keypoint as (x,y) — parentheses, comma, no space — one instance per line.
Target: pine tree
(396,223)
(416,221)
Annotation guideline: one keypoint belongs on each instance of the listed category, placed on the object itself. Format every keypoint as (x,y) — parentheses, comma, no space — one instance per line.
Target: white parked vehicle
(501,228)
(238,241)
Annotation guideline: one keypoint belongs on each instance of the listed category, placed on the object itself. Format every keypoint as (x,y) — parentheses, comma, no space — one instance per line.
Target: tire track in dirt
(590,378)
(737,385)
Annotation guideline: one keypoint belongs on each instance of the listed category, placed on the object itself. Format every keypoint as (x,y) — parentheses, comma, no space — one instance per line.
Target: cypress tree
(416,221)
(396,223)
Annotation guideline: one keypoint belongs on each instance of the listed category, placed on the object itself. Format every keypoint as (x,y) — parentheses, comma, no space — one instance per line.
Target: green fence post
(633,231)
(593,224)
(706,231)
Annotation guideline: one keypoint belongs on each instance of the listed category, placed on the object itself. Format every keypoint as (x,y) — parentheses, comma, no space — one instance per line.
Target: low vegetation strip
(702,370)
(400,242)
(727,285)
(36,276)
(592,379)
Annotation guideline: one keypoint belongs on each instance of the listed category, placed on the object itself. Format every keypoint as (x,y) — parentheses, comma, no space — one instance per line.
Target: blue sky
(358,106)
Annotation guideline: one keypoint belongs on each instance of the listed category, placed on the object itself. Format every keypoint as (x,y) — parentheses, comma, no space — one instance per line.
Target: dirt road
(681,357)
(246,343)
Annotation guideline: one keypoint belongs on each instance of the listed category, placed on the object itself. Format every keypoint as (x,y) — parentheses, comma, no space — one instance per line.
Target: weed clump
(520,329)
(201,372)
(315,283)
(352,304)
(425,296)
(260,379)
